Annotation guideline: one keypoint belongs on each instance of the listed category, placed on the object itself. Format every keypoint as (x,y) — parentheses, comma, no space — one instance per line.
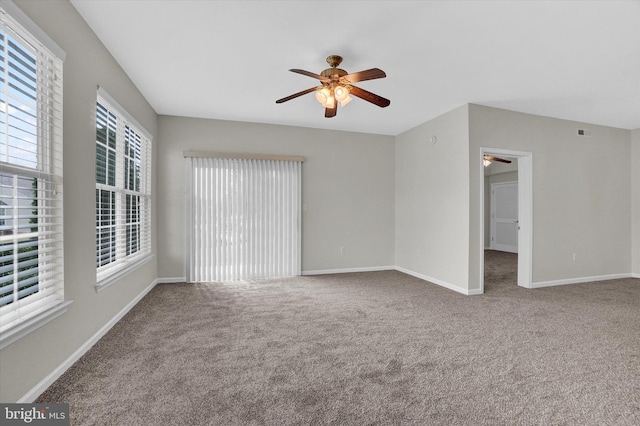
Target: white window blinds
(123,190)
(244,218)
(31,224)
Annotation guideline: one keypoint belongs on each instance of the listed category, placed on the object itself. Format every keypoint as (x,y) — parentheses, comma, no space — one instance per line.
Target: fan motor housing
(330,72)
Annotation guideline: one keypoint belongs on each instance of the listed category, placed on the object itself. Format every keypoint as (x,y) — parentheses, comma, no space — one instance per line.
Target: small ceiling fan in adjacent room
(487,159)
(337,85)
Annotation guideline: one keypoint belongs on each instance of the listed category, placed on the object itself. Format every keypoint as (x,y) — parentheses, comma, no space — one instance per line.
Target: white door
(504,216)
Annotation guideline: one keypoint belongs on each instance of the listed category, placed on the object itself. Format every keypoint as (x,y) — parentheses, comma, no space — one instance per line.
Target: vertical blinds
(123,190)
(31,225)
(244,219)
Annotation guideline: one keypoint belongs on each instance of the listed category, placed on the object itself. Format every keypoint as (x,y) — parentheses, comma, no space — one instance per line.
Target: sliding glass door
(244,218)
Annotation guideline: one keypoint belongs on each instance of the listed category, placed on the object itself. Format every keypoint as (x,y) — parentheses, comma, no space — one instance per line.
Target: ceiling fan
(487,159)
(337,85)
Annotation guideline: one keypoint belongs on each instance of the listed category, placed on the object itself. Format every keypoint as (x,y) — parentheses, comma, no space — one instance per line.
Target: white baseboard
(395,268)
(438,282)
(635,275)
(579,280)
(349,270)
(171,280)
(31,396)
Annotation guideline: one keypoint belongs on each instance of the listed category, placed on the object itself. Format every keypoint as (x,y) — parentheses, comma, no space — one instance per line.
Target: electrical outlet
(575,257)
(341,250)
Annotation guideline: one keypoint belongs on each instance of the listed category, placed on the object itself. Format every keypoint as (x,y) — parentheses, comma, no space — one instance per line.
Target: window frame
(24,315)
(124,263)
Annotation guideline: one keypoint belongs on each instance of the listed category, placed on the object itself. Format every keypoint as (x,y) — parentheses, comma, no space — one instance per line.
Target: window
(31,225)
(123,191)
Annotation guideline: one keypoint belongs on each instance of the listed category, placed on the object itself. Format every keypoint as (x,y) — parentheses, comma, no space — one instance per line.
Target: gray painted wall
(432,199)
(88,64)
(581,190)
(347,188)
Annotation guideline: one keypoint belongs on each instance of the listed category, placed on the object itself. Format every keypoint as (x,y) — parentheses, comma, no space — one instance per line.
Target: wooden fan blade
(311,74)
(331,112)
(371,74)
(295,95)
(492,158)
(369,97)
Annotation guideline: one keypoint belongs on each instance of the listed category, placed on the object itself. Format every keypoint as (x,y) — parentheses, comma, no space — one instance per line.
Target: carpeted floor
(500,270)
(379,348)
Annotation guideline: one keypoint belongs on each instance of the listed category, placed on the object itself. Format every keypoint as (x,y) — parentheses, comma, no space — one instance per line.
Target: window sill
(22,329)
(119,273)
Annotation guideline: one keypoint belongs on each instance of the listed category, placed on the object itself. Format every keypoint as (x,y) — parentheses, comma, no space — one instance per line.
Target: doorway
(523,227)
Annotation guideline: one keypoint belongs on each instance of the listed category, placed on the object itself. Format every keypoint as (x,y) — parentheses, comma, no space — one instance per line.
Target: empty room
(319,212)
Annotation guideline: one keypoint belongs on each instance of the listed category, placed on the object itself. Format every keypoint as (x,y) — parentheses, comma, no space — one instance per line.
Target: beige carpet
(500,270)
(379,348)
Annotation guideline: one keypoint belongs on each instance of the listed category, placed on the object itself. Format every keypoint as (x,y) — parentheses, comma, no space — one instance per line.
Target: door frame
(525,213)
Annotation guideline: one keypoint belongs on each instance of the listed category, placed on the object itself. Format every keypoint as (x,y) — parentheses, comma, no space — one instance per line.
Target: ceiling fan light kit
(337,86)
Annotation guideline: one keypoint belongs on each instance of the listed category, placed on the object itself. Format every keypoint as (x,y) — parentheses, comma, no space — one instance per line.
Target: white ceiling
(576,60)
